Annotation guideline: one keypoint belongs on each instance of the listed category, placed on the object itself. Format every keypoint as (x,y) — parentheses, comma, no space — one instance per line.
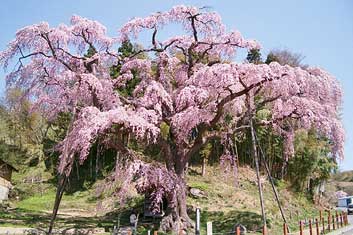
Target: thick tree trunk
(177,218)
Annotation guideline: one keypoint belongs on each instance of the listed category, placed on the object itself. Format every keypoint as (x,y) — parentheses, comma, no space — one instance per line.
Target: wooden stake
(317,227)
(301,227)
(323,225)
(264,230)
(238,230)
(333,223)
(310,227)
(284,229)
(329,222)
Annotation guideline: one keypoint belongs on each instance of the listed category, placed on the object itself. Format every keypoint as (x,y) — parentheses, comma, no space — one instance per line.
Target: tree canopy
(186,91)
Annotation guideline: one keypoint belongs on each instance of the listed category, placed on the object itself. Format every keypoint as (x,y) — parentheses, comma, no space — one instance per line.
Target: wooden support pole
(263,158)
(329,222)
(310,227)
(257,167)
(285,229)
(301,227)
(323,225)
(333,223)
(264,230)
(317,227)
(59,194)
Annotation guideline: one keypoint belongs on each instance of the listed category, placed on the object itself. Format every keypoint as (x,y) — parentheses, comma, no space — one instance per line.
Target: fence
(315,226)
(320,225)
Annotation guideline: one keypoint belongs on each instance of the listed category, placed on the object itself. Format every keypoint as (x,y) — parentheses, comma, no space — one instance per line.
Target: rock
(197,193)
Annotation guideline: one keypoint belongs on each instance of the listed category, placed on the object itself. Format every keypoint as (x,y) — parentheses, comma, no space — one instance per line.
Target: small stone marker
(209,228)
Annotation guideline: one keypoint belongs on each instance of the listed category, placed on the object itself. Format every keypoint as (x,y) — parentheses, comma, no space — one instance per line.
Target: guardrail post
(317,227)
(310,227)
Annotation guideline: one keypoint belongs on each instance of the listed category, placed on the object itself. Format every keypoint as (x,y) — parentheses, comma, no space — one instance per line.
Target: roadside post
(197,227)
(209,228)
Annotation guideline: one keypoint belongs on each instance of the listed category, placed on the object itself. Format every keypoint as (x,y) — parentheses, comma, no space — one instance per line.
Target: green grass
(225,205)
(37,203)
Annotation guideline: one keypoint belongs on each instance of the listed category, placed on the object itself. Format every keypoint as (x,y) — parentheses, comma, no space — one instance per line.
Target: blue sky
(321,30)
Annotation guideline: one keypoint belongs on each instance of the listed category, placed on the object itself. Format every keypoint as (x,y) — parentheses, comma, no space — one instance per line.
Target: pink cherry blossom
(188,84)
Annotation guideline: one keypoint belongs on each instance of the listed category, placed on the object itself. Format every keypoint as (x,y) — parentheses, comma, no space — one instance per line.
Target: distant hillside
(346,176)
(342,181)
